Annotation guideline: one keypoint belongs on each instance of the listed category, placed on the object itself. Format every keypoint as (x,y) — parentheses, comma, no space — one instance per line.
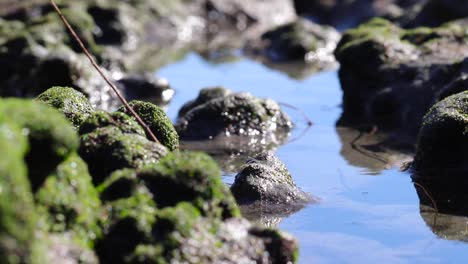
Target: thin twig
(98,69)
(355,147)
(434,204)
(309,121)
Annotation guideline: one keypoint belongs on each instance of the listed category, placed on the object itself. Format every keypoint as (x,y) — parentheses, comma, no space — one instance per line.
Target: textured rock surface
(442,149)
(73,104)
(391,77)
(157,121)
(51,137)
(108,149)
(233,114)
(265,178)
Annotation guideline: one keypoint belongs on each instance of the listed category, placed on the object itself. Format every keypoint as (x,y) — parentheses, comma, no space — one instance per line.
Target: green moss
(196,178)
(107,149)
(157,121)
(68,201)
(73,104)
(51,137)
(17,214)
(120,120)
(120,184)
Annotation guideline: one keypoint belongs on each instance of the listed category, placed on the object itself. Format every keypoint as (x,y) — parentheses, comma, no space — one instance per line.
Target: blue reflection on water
(360,218)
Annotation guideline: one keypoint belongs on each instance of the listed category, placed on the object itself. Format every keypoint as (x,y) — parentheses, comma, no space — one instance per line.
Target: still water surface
(364,213)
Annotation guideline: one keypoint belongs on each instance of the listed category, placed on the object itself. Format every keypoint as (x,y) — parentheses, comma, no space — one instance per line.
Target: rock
(51,137)
(234,114)
(73,104)
(204,95)
(147,87)
(391,77)
(69,203)
(344,14)
(199,239)
(18,220)
(107,149)
(61,249)
(266,179)
(157,121)
(436,12)
(101,119)
(301,40)
(442,149)
(128,223)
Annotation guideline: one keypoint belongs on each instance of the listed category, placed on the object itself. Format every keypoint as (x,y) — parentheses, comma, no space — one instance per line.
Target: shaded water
(367,211)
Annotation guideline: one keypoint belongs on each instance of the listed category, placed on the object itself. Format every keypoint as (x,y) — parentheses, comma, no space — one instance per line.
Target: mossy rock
(107,149)
(128,223)
(17,212)
(442,149)
(51,137)
(72,103)
(196,178)
(205,95)
(119,120)
(264,178)
(235,114)
(157,121)
(69,202)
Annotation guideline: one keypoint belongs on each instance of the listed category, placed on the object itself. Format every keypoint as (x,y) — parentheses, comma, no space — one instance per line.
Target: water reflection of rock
(231,152)
(373,151)
(269,216)
(444,207)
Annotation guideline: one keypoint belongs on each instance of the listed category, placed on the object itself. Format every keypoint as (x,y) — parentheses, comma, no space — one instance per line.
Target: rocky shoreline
(83,182)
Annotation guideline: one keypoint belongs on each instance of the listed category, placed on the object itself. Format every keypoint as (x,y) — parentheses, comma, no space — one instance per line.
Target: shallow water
(367,211)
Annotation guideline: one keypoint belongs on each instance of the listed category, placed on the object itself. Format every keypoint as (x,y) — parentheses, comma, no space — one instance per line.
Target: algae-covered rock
(108,149)
(186,237)
(73,104)
(196,178)
(265,178)
(391,77)
(233,114)
(17,213)
(301,40)
(51,137)
(63,249)
(205,95)
(119,120)
(157,121)
(442,149)
(129,223)
(69,203)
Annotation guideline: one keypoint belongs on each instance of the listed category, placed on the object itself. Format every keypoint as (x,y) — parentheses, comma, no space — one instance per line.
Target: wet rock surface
(442,150)
(385,68)
(266,179)
(233,114)
(301,40)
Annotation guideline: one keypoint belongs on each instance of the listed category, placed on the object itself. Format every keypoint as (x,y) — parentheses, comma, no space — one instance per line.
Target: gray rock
(266,179)
(391,77)
(234,114)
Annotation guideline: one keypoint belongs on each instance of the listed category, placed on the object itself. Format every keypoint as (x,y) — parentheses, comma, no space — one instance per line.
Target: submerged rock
(266,179)
(301,40)
(157,121)
(51,137)
(234,114)
(391,77)
(73,104)
(107,149)
(442,150)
